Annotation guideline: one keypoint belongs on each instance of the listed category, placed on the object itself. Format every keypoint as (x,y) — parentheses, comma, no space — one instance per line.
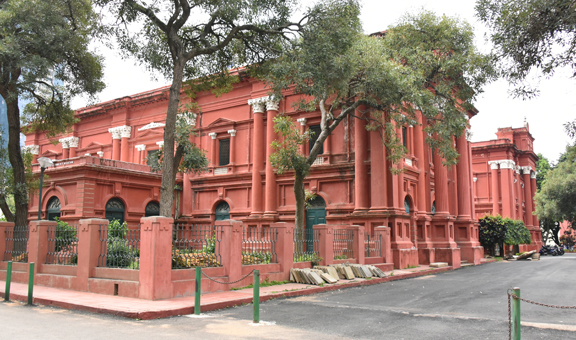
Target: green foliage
(287,154)
(492,230)
(314,258)
(117,229)
(256,257)
(555,201)
(340,257)
(542,168)
(516,233)
(65,235)
(122,255)
(530,35)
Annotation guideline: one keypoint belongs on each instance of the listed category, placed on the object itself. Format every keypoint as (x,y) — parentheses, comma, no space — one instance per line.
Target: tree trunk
(17,163)
(6,209)
(168,167)
(300,201)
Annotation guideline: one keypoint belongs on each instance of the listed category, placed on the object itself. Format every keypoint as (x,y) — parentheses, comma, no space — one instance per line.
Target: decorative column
(271,196)
(213,161)
(125,133)
(526,170)
(65,148)
(258,155)
(302,122)
(140,156)
(34,150)
(232,147)
(73,143)
(440,185)
(419,150)
(463,179)
(361,187)
(533,193)
(116,136)
(495,188)
(377,173)
(506,169)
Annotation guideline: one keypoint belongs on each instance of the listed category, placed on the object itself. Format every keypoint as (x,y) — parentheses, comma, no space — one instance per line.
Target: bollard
(8,280)
(256,296)
(197,290)
(30,282)
(516,314)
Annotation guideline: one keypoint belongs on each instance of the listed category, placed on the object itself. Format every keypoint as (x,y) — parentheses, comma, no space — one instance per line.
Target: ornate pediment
(221,121)
(151,126)
(49,153)
(150,132)
(92,146)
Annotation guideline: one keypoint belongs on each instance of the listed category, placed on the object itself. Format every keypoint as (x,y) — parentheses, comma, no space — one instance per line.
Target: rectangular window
(314,133)
(404,136)
(224,152)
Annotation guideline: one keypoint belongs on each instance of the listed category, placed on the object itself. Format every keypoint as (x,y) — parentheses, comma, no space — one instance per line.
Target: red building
(505,179)
(430,210)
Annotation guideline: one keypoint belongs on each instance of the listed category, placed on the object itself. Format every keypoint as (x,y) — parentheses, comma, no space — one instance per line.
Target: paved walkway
(147,309)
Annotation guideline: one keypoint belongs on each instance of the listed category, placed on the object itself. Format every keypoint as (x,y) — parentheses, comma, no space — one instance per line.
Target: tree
(42,41)
(531,35)
(187,39)
(492,231)
(424,66)
(542,168)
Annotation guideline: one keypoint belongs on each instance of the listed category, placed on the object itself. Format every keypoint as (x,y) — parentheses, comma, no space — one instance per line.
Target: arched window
(152,209)
(407,204)
(115,210)
(53,208)
(434,208)
(222,211)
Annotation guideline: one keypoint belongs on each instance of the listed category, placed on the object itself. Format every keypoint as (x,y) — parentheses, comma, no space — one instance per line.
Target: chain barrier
(512,295)
(227,283)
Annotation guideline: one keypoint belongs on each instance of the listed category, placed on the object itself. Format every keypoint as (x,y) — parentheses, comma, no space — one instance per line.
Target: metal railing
(259,245)
(119,248)
(372,245)
(306,245)
(62,245)
(343,244)
(16,244)
(195,245)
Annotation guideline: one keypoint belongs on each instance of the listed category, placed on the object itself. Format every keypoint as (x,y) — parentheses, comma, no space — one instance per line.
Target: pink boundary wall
(155,279)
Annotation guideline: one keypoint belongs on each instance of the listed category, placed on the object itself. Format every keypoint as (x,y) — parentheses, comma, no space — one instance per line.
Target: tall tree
(186,39)
(425,65)
(42,41)
(542,168)
(531,34)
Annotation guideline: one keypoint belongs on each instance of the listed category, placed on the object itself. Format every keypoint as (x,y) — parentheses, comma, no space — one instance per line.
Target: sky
(545,114)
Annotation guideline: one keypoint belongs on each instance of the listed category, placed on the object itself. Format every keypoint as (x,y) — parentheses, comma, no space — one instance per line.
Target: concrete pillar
(116,136)
(302,122)
(89,247)
(140,153)
(441,185)
(526,170)
(533,188)
(285,246)
(358,245)
(65,148)
(186,195)
(508,199)
(377,172)
(463,179)
(155,274)
(232,146)
(271,196)
(125,133)
(384,233)
(325,243)
(419,152)
(73,142)
(231,248)
(258,155)
(361,187)
(495,188)
(213,160)
(38,242)
(5,227)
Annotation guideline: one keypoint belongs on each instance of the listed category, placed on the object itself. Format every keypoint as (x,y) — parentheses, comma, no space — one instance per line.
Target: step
(438,264)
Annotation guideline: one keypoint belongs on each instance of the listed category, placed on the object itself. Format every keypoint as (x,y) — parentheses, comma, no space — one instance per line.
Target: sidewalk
(147,309)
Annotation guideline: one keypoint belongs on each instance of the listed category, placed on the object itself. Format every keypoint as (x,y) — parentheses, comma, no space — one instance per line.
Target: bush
(492,231)
(516,233)
(117,230)
(120,254)
(567,239)
(65,235)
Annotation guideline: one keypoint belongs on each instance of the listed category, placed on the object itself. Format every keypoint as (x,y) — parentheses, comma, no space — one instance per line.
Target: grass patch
(265,283)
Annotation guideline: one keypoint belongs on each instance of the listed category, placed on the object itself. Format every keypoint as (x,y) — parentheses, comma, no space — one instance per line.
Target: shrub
(120,254)
(492,231)
(567,239)
(117,230)
(516,233)
(65,235)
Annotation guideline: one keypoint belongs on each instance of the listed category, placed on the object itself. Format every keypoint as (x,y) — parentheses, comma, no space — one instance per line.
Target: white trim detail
(33,149)
(140,147)
(100,154)
(302,121)
(119,132)
(408,161)
(151,126)
(493,165)
(160,144)
(213,135)
(232,132)
(475,179)
(220,171)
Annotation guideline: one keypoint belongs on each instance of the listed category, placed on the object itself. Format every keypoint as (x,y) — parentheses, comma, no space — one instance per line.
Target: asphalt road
(470,303)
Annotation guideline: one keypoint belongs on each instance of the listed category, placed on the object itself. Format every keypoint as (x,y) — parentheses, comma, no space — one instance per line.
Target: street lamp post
(45,162)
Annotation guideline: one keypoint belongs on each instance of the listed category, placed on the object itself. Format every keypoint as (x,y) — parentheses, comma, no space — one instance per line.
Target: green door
(222,211)
(315,214)
(115,210)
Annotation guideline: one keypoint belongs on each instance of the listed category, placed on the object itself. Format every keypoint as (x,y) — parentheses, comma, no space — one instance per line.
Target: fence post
(8,281)
(359,246)
(30,282)
(285,246)
(155,274)
(89,247)
(231,248)
(385,247)
(256,296)
(197,290)
(326,243)
(38,242)
(516,314)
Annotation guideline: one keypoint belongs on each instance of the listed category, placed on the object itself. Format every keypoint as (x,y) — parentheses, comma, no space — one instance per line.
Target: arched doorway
(315,214)
(115,210)
(53,208)
(407,204)
(222,211)
(152,209)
